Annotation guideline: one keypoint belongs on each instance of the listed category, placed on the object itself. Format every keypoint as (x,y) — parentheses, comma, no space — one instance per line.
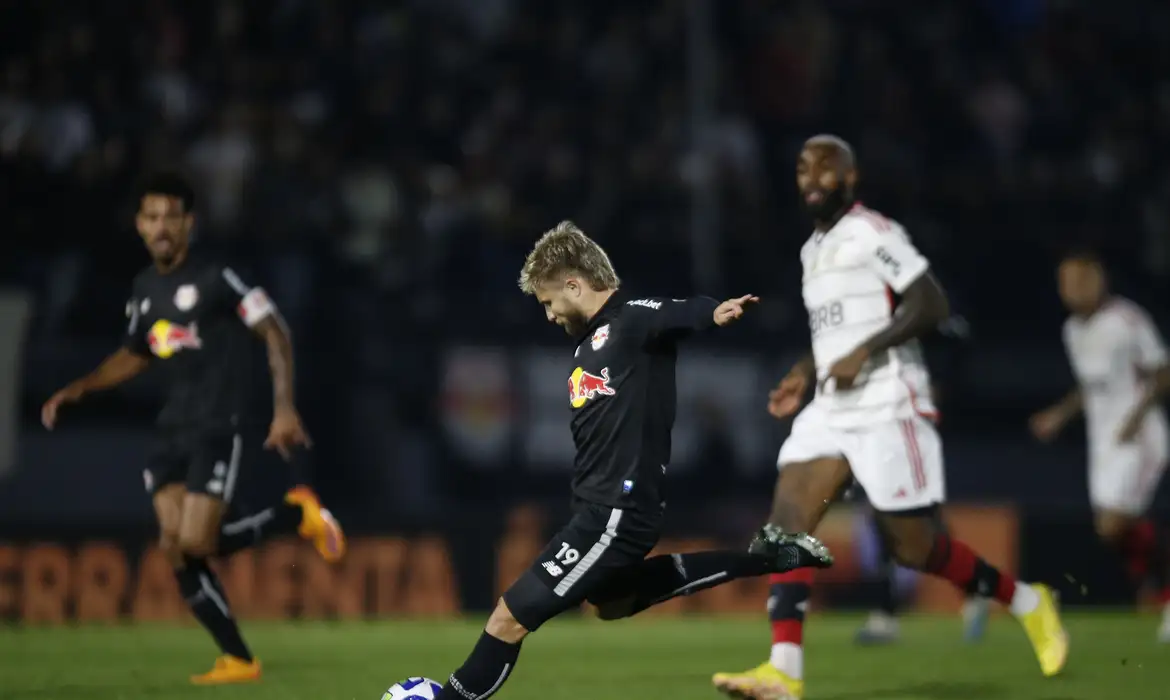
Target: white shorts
(1123,478)
(899,463)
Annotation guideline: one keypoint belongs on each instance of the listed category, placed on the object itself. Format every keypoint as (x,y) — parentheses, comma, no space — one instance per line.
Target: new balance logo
(648,303)
(553,569)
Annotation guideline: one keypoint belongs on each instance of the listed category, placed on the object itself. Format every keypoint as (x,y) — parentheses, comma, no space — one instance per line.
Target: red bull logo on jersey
(584,386)
(166,338)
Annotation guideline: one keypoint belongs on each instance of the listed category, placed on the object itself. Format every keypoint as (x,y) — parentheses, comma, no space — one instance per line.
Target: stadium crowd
(413,150)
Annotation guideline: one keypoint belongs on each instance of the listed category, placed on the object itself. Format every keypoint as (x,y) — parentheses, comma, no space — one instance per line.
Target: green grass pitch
(1113,656)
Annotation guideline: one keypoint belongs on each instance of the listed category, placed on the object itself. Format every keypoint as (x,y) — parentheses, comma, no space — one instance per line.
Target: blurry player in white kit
(870,295)
(1123,373)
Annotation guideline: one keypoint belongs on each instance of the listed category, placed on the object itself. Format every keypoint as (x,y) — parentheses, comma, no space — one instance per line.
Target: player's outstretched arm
(732,310)
(659,317)
(120,367)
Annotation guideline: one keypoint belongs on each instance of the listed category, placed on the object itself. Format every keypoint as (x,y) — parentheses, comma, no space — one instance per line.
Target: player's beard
(832,203)
(575,323)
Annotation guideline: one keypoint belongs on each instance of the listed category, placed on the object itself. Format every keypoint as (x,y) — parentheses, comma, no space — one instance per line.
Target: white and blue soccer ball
(413,689)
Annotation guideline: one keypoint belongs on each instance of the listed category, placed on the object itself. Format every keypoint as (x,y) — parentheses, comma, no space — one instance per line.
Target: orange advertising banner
(47,583)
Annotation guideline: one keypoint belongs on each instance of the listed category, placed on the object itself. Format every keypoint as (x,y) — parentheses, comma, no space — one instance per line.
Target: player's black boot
(790,550)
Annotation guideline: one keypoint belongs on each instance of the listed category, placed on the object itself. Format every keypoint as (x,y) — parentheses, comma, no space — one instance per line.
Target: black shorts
(207,463)
(592,551)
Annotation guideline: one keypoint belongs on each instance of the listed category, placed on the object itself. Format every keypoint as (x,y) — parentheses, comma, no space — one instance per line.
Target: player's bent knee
(621,608)
(503,625)
(912,554)
(910,538)
(196,546)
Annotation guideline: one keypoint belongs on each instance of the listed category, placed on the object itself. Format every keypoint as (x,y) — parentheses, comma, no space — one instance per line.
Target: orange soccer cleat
(229,670)
(317,524)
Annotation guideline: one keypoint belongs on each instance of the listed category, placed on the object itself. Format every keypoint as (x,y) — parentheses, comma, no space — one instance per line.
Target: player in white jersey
(869,295)
(1123,373)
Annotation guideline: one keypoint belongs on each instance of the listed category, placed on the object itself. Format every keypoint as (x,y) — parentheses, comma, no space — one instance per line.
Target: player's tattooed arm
(924,306)
(280,361)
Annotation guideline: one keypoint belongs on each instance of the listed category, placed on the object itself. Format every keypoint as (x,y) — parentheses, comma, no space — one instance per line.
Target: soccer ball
(413,689)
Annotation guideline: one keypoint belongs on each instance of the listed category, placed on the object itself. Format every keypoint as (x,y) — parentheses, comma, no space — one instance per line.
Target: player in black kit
(195,318)
(622,394)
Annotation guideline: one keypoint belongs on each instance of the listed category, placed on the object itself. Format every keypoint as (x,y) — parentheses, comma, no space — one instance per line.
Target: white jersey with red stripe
(1114,354)
(852,273)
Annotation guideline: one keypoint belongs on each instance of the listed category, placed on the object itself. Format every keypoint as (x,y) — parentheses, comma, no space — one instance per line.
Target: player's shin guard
(787,603)
(205,596)
(239,534)
(485,671)
(956,562)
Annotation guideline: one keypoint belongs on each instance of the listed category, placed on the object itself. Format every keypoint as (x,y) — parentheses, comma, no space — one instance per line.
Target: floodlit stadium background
(382,168)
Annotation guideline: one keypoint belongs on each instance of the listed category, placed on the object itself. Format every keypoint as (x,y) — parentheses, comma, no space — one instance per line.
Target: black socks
(491,662)
(204,595)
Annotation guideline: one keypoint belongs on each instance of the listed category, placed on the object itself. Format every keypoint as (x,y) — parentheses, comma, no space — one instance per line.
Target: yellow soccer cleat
(1046,632)
(317,524)
(229,670)
(764,682)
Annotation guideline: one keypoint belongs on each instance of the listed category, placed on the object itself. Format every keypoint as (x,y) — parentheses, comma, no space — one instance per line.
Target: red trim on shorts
(917,470)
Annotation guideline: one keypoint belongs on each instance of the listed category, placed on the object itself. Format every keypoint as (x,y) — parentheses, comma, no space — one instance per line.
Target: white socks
(788,658)
(1024,600)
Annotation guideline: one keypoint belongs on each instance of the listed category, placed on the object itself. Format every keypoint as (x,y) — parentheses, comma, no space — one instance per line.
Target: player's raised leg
(661,578)
(805,487)
(299,511)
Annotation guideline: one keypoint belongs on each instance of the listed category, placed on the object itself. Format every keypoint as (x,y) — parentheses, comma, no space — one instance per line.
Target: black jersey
(194,321)
(622,394)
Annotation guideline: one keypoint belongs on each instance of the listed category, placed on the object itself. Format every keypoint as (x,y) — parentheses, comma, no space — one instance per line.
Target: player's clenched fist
(732,309)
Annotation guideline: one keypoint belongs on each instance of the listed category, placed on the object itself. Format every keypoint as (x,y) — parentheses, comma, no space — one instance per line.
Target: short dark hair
(169,185)
(1083,254)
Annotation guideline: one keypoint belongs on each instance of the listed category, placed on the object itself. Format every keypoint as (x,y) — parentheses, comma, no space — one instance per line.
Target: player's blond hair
(566,250)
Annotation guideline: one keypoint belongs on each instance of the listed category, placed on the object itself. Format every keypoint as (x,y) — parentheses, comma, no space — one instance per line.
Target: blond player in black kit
(621,383)
(196,319)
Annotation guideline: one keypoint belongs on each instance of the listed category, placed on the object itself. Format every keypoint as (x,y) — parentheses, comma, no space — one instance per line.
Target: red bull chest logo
(166,338)
(584,386)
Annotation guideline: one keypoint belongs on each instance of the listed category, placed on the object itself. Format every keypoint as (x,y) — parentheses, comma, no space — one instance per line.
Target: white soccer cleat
(1164,630)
